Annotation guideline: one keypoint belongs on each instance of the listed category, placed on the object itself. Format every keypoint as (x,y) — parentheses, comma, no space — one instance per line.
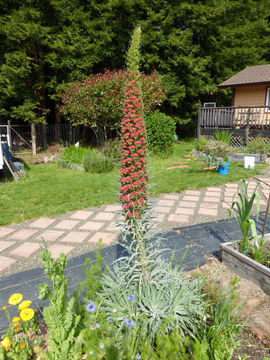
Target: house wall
(253,95)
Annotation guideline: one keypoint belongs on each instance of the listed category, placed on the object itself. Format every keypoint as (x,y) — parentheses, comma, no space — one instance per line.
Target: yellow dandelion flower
(27,314)
(15,299)
(25,304)
(16,320)
(6,343)
(222,335)
(22,346)
(4,308)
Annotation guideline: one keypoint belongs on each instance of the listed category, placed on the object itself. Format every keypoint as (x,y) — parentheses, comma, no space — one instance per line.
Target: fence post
(9,135)
(247,126)
(44,135)
(199,124)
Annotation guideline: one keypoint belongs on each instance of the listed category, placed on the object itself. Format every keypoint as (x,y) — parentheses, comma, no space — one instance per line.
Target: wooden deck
(243,121)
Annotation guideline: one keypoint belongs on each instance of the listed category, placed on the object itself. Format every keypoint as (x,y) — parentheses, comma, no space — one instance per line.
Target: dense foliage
(193,45)
(160,130)
(98,101)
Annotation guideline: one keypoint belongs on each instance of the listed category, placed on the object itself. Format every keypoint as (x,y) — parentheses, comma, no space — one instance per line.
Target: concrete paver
(42,223)
(26,249)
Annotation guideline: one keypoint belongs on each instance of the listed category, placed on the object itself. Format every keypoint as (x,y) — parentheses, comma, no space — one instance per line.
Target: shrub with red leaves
(98,101)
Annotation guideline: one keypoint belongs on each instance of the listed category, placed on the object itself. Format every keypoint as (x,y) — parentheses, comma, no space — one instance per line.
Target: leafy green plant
(74,155)
(97,163)
(61,321)
(217,149)
(200,143)
(244,207)
(111,149)
(260,252)
(258,145)
(221,323)
(223,136)
(160,129)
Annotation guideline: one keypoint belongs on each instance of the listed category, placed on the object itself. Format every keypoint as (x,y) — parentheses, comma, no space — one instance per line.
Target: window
(267,101)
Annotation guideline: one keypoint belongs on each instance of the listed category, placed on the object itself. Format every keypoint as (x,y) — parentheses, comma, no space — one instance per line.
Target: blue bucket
(223,170)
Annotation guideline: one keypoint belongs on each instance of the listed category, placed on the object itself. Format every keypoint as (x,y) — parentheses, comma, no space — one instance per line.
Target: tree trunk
(34,137)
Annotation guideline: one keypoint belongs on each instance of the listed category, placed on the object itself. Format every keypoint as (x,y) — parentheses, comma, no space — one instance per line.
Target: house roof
(252,75)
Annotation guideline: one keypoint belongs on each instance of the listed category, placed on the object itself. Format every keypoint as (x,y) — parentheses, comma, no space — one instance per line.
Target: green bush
(200,143)
(97,163)
(73,155)
(160,130)
(258,146)
(112,149)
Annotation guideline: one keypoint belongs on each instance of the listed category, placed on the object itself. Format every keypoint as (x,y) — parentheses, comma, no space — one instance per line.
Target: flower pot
(223,170)
(244,266)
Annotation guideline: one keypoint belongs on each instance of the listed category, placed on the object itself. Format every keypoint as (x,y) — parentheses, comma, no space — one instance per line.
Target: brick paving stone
(5,262)
(184,211)
(228,199)
(67,224)
(171,197)
(5,231)
(81,215)
(26,249)
(231,186)
(229,193)
(262,203)
(162,209)
(113,207)
(56,250)
(209,205)
(42,223)
(266,193)
(5,244)
(212,193)
(92,225)
(211,199)
(190,198)
(225,205)
(190,204)
(207,211)
(177,167)
(159,217)
(50,235)
(178,218)
(107,238)
(114,227)
(106,216)
(165,203)
(193,192)
(213,188)
(23,234)
(75,237)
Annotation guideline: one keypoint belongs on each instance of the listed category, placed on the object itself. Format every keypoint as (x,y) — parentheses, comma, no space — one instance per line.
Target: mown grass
(50,190)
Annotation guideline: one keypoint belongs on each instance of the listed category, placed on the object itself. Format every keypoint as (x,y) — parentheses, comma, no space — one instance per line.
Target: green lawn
(49,190)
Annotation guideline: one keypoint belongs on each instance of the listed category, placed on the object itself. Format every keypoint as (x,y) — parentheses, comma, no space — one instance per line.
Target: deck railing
(243,121)
(236,117)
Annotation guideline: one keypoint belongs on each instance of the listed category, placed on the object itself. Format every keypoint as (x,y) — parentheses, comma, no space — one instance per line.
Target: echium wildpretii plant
(143,292)
(133,145)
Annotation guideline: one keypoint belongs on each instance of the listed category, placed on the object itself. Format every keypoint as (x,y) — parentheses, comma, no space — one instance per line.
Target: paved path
(78,232)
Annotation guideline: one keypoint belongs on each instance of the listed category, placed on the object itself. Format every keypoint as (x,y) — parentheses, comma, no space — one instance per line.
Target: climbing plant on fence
(97,101)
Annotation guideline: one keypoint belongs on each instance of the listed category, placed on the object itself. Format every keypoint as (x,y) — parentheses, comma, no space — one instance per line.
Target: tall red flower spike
(133,140)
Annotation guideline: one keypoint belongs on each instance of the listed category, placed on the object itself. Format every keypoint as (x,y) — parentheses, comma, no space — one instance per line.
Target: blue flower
(129,322)
(132,297)
(138,356)
(91,307)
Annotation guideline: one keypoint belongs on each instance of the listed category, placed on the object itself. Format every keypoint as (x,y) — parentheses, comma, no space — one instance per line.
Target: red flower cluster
(133,150)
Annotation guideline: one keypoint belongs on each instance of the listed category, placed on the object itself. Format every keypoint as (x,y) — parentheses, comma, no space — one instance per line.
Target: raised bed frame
(244,266)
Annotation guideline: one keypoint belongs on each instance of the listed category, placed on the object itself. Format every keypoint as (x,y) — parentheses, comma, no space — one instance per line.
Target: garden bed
(246,267)
(259,158)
